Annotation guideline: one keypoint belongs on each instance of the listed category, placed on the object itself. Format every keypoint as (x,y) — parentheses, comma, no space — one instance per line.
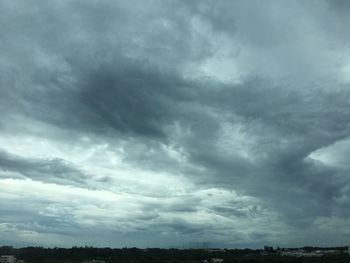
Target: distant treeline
(152,255)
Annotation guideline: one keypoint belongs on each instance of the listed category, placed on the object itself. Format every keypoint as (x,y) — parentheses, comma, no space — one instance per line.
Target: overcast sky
(159,123)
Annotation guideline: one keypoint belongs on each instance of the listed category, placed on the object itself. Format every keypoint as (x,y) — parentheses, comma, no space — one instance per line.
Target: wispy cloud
(157,123)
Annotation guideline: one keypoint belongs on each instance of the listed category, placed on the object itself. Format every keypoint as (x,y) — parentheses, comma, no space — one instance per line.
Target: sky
(163,122)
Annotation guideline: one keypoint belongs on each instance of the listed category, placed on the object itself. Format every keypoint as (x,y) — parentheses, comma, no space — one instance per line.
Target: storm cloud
(160,123)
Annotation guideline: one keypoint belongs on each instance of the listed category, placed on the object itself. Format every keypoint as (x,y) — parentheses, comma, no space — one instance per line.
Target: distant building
(301,253)
(7,259)
(216,260)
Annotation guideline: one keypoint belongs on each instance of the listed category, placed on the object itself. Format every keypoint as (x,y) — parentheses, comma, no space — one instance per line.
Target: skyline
(157,123)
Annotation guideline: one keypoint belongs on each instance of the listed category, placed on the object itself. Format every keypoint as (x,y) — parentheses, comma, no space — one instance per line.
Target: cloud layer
(161,123)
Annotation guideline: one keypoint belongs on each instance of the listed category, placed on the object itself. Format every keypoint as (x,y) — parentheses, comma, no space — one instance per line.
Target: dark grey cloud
(339,5)
(52,171)
(206,120)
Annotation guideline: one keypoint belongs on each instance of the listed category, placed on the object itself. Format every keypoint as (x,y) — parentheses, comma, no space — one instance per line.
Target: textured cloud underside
(158,123)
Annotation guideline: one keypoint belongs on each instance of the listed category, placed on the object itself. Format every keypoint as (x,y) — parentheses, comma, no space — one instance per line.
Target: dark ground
(79,254)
